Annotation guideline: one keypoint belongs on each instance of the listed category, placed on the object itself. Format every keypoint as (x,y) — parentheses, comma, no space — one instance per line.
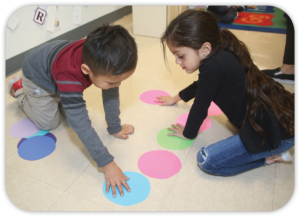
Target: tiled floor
(68,179)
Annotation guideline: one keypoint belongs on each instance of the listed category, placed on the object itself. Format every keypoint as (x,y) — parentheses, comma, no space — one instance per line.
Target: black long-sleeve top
(222,80)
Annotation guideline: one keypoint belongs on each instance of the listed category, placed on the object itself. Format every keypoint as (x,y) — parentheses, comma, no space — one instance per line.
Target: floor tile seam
(290,188)
(36,178)
(189,150)
(274,187)
(160,210)
(79,175)
(136,112)
(56,201)
(253,177)
(63,191)
(148,150)
(9,157)
(89,201)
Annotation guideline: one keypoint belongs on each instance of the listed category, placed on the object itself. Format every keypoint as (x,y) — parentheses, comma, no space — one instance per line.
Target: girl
(259,107)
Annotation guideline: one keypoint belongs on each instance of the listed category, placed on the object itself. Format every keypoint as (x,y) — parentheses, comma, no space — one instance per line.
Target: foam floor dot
(172,142)
(40,133)
(182,119)
(214,110)
(139,186)
(36,148)
(48,135)
(150,96)
(23,128)
(159,164)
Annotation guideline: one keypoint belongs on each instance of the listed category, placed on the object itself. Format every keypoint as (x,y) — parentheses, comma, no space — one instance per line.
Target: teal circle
(40,133)
(172,142)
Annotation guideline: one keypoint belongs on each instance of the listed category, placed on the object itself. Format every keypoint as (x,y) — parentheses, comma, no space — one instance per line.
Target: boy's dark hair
(110,50)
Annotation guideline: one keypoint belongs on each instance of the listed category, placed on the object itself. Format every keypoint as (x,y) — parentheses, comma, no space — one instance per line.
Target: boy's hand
(166,100)
(114,177)
(126,129)
(178,129)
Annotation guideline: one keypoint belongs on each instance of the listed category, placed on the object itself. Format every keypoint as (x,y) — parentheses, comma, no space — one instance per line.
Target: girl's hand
(114,177)
(126,129)
(178,129)
(165,100)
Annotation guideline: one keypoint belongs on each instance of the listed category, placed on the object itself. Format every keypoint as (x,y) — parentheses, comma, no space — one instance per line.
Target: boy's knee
(51,125)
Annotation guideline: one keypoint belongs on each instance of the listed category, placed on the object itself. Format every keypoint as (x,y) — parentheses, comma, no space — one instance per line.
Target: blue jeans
(230,157)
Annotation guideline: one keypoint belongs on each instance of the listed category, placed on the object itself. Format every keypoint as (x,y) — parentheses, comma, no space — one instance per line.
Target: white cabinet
(152,21)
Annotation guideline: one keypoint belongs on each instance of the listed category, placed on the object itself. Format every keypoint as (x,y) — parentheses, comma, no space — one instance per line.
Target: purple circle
(23,128)
(150,96)
(51,136)
(36,148)
(21,141)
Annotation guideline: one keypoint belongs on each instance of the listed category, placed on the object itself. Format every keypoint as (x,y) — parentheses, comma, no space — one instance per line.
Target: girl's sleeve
(208,83)
(189,92)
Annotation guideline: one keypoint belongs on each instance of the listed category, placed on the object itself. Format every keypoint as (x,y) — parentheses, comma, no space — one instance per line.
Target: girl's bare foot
(273,159)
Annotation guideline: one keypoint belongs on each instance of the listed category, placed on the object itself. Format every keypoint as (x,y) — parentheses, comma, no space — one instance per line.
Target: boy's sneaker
(278,76)
(14,85)
(286,156)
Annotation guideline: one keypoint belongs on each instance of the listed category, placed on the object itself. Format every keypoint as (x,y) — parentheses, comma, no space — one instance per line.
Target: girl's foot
(285,156)
(273,159)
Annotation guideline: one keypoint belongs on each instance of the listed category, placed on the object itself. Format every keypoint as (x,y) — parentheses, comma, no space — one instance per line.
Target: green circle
(172,142)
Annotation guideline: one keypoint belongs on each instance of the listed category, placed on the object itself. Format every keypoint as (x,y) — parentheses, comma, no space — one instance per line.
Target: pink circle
(182,119)
(23,128)
(214,110)
(150,96)
(159,164)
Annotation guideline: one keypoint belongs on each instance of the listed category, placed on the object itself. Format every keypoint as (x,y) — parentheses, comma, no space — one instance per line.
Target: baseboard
(14,64)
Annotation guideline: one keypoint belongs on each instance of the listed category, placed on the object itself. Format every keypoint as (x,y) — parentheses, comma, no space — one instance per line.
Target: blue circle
(139,186)
(36,148)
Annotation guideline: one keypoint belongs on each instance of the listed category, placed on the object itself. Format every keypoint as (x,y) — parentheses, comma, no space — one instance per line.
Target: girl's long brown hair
(193,28)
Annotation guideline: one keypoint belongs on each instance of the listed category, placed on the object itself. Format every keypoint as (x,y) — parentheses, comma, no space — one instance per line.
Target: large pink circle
(214,110)
(150,96)
(23,128)
(182,119)
(159,164)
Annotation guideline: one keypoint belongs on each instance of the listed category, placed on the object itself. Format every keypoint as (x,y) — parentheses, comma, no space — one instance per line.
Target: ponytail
(193,28)
(262,90)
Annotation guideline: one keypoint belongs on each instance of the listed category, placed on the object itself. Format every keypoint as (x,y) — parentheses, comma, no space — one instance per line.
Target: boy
(54,77)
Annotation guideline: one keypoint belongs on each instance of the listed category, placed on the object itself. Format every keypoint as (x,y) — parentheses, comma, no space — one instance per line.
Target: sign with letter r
(40,16)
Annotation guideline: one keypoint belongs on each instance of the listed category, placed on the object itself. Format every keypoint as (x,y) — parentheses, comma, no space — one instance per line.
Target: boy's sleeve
(189,92)
(111,104)
(77,115)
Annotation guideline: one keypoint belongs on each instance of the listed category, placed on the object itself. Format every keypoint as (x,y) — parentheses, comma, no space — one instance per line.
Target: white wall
(29,34)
